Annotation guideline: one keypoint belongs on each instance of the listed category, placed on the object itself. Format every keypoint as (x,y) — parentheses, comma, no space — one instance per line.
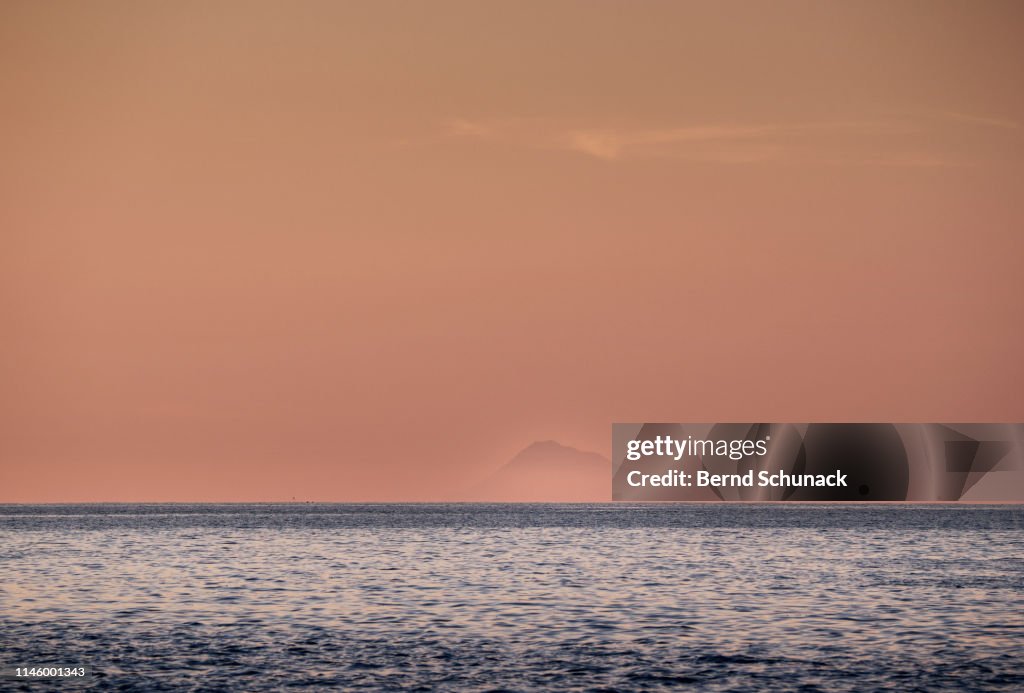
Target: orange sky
(368,250)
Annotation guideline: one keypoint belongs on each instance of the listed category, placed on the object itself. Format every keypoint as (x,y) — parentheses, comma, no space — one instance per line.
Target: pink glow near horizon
(369,251)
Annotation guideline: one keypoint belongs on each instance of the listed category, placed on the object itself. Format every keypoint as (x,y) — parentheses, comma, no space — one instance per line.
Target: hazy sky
(357,250)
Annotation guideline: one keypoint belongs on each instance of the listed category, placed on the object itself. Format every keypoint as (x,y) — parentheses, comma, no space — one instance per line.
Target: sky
(371,250)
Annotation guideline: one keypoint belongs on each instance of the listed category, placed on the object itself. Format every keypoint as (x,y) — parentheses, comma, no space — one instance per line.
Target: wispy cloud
(615,143)
(891,142)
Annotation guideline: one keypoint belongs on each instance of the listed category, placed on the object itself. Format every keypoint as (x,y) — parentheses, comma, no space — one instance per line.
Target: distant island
(548,471)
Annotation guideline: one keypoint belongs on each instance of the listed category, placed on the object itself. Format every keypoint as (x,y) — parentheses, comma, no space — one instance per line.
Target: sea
(514,597)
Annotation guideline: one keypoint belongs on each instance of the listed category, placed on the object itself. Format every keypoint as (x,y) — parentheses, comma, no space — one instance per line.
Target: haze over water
(481,597)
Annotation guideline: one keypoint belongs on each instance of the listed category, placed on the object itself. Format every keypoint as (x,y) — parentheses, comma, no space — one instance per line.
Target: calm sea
(515,597)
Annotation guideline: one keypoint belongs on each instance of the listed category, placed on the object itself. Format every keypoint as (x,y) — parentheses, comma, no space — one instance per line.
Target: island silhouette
(547,472)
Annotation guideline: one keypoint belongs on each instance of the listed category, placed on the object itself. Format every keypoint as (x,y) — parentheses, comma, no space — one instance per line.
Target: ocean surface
(515,597)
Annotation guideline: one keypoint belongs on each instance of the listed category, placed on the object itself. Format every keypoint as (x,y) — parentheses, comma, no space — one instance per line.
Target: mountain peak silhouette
(548,472)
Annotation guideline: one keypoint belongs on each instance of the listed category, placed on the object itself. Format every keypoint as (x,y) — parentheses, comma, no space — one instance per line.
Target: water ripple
(486,597)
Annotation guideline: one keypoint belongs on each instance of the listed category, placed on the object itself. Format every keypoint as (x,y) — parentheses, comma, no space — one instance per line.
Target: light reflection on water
(520,597)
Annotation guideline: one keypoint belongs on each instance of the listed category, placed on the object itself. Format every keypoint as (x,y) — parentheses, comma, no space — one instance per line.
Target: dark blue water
(515,597)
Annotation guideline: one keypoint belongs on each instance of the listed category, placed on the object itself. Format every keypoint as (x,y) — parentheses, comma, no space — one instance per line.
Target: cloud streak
(889,142)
